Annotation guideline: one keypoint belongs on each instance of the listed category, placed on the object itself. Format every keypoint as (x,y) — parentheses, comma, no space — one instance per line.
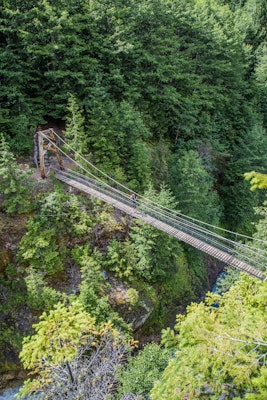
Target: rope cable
(148,200)
(172,216)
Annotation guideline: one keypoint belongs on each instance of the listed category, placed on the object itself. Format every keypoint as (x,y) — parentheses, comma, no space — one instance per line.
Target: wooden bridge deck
(198,244)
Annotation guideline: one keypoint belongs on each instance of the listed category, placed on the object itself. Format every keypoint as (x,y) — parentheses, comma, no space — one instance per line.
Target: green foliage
(57,335)
(169,339)
(197,269)
(259,383)
(132,297)
(10,337)
(142,371)
(257,180)
(94,289)
(135,155)
(65,213)
(180,288)
(103,351)
(173,91)
(225,282)
(257,248)
(62,335)
(116,135)
(193,188)
(12,304)
(157,253)
(105,136)
(75,127)
(38,248)
(122,259)
(239,201)
(219,349)
(14,182)
(160,157)
(145,79)
(40,295)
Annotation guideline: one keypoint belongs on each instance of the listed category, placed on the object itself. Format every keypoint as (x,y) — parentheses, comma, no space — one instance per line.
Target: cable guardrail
(217,241)
(142,197)
(171,217)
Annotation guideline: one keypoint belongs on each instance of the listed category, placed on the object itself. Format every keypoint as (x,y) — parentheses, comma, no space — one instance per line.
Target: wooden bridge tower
(46,140)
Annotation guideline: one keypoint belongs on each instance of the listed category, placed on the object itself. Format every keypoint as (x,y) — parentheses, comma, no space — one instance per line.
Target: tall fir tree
(14,182)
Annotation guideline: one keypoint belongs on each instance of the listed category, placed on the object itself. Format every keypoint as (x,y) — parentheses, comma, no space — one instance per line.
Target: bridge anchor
(47,141)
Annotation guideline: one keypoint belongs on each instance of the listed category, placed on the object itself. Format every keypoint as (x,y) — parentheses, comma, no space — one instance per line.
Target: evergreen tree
(142,371)
(56,338)
(157,253)
(135,157)
(94,289)
(40,296)
(238,200)
(65,342)
(74,133)
(121,259)
(220,350)
(105,136)
(39,250)
(193,188)
(14,182)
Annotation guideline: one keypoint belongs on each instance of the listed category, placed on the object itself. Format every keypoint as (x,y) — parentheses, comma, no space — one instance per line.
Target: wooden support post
(55,149)
(41,155)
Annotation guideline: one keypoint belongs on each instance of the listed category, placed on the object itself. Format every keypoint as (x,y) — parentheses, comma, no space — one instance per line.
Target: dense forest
(167,97)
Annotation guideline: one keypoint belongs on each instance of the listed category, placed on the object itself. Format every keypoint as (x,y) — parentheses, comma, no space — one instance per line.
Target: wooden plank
(185,237)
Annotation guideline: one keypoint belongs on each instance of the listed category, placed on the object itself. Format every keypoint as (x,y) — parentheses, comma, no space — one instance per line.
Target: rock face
(134,314)
(12,379)
(214,268)
(12,229)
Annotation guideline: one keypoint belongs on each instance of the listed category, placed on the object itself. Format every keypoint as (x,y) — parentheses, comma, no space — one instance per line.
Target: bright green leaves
(67,346)
(220,348)
(57,337)
(257,180)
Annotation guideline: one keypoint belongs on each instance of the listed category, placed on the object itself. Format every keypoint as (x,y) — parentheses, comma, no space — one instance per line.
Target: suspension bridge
(244,253)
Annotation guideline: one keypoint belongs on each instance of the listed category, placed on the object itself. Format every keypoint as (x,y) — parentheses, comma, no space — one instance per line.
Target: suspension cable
(172,216)
(146,199)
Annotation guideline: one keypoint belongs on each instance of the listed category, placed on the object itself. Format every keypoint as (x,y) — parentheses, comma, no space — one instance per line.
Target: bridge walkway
(94,189)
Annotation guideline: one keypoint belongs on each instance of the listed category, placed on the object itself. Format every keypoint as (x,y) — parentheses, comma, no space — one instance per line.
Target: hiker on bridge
(134,199)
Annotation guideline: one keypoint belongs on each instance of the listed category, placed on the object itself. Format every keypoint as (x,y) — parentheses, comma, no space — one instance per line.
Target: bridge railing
(144,207)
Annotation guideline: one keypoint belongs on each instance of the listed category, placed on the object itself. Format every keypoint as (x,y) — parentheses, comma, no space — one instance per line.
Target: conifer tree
(69,352)
(74,133)
(40,296)
(39,250)
(192,186)
(14,182)
(220,351)
(157,253)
